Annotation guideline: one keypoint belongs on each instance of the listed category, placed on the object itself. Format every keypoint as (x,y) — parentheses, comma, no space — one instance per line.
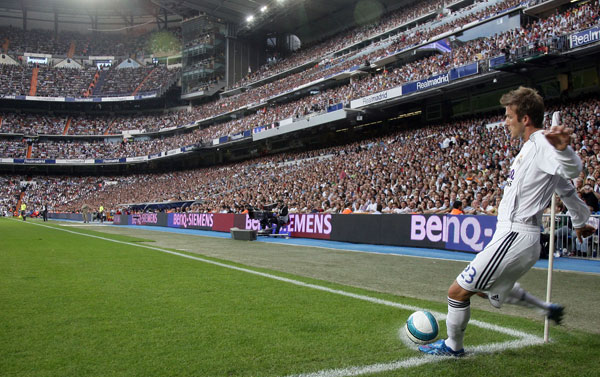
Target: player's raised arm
(559,136)
(564,163)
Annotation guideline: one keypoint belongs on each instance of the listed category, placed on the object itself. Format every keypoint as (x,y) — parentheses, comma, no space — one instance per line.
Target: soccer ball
(422,327)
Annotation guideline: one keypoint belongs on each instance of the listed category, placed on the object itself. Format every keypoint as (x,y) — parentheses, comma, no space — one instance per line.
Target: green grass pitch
(73,305)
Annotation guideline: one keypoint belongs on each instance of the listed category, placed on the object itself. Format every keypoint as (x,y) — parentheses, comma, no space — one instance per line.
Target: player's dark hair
(526,101)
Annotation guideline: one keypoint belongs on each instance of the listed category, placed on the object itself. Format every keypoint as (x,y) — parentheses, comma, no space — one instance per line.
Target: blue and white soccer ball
(422,327)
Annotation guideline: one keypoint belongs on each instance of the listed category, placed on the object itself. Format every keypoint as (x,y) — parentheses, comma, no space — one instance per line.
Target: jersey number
(470,271)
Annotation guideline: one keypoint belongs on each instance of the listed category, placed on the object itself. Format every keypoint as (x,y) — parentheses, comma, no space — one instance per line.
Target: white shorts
(509,255)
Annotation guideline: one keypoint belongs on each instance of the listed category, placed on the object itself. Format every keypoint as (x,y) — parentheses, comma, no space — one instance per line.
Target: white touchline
(523,339)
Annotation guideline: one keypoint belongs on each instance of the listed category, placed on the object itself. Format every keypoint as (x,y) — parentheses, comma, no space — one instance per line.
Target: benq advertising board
(219,222)
(449,232)
(463,232)
(203,221)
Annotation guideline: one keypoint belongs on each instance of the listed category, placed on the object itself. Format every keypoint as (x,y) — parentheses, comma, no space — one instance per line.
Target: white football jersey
(536,173)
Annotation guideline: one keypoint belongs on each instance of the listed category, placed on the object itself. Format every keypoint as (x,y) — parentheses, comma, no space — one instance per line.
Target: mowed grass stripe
(80,306)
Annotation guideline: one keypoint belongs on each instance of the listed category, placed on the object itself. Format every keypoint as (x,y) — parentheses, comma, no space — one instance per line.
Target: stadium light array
(263,9)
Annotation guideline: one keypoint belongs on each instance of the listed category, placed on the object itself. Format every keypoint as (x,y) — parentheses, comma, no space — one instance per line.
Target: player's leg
(459,314)
(521,297)
(473,281)
(468,283)
(502,287)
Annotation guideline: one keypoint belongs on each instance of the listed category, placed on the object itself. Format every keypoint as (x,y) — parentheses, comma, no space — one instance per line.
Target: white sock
(459,313)
(519,296)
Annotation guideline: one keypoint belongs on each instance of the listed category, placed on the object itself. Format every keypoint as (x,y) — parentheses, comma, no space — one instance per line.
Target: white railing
(566,243)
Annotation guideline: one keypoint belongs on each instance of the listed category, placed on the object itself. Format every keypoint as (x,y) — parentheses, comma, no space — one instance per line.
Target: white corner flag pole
(550,264)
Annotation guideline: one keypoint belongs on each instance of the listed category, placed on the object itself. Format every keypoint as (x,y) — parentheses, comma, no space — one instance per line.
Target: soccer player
(542,167)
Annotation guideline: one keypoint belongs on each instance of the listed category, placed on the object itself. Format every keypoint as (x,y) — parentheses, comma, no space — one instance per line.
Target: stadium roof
(85,7)
(234,11)
(308,19)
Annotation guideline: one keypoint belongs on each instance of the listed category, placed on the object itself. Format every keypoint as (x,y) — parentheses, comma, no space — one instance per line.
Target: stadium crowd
(422,170)
(74,82)
(119,79)
(15,80)
(90,44)
(120,82)
(13,148)
(89,124)
(31,123)
(63,82)
(414,36)
(126,81)
(552,26)
(427,170)
(68,149)
(341,40)
(560,23)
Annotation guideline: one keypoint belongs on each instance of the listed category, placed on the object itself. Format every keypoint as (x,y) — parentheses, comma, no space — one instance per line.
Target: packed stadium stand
(418,171)
(86,44)
(366,147)
(74,82)
(126,81)
(420,163)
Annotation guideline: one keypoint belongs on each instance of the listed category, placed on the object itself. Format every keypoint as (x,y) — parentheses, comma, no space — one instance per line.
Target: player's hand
(559,136)
(585,231)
